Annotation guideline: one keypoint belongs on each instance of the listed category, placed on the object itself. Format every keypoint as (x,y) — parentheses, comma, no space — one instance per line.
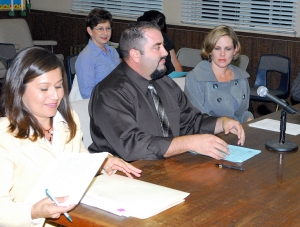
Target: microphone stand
(282,145)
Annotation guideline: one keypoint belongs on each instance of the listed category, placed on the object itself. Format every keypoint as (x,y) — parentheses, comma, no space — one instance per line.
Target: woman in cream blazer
(36,125)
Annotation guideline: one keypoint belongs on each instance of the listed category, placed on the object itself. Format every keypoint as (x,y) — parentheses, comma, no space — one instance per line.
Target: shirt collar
(56,120)
(136,78)
(97,50)
(207,74)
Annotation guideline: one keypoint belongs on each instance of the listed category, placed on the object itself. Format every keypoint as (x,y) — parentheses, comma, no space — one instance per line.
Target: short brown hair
(212,38)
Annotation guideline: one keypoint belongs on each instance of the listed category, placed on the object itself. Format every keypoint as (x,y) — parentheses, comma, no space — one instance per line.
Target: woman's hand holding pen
(114,163)
(46,208)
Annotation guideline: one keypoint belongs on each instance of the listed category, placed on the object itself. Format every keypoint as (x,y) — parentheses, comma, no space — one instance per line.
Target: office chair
(16,31)
(242,61)
(74,93)
(71,69)
(81,108)
(180,81)
(270,65)
(7,52)
(189,57)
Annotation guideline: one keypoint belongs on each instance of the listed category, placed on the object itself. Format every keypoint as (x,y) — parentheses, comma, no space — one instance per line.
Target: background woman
(36,125)
(97,59)
(215,86)
(159,18)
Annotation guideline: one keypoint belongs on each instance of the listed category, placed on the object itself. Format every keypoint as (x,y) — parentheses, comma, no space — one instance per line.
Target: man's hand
(206,144)
(229,125)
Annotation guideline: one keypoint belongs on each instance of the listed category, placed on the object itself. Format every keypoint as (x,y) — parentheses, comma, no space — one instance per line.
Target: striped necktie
(165,125)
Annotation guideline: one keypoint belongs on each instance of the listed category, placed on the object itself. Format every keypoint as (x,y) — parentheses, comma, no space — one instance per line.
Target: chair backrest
(242,61)
(81,108)
(180,81)
(276,63)
(71,69)
(7,52)
(189,57)
(15,31)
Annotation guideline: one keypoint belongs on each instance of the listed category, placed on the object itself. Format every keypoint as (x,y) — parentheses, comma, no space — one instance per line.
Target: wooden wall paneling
(118,27)
(80,36)
(69,30)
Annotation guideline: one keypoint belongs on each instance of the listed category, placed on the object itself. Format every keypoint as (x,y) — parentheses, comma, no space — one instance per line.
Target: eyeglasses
(108,29)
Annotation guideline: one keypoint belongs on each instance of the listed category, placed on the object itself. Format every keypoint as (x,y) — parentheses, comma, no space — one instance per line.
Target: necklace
(48,134)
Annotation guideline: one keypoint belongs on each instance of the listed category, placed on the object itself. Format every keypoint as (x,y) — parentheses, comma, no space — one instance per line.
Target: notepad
(240,154)
(124,196)
(176,74)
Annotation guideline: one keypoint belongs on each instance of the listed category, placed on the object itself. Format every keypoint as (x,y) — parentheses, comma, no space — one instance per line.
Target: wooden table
(267,193)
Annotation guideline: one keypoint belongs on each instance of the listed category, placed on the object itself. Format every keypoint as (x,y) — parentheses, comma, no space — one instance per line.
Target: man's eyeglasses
(108,29)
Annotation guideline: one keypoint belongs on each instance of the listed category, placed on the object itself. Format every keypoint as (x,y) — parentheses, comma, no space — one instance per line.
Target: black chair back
(71,69)
(7,52)
(268,64)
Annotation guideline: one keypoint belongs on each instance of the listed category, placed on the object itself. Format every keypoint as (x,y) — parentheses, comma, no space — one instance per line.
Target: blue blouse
(93,65)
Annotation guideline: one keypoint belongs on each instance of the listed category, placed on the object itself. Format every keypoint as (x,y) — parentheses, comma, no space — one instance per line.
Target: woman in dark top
(159,18)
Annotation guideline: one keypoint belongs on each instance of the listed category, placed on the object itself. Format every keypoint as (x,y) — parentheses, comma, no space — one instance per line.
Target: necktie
(165,125)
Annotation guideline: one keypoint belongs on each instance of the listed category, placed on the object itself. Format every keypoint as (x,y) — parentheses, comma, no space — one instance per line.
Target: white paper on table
(274,125)
(69,175)
(130,197)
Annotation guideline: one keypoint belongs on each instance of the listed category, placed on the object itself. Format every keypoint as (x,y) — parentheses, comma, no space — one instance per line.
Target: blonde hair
(212,38)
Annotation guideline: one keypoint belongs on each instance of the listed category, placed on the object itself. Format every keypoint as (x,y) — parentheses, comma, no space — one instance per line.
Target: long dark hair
(26,65)
(155,16)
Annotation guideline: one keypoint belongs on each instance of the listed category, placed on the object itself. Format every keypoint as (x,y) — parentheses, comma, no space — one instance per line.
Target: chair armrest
(2,66)
(44,42)
(17,46)
(2,70)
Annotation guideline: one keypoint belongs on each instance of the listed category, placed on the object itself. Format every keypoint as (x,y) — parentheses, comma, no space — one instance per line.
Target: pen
(222,152)
(229,167)
(57,204)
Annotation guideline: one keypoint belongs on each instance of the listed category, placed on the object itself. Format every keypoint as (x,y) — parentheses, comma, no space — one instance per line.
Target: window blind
(119,8)
(259,15)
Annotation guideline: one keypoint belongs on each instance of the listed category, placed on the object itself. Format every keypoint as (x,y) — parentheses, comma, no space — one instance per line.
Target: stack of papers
(130,197)
(69,175)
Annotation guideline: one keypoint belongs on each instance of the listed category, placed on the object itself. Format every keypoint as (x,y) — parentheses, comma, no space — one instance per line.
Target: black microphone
(263,92)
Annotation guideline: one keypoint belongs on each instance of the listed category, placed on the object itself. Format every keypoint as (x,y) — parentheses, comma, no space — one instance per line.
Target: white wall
(64,6)
(171,10)
(61,6)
